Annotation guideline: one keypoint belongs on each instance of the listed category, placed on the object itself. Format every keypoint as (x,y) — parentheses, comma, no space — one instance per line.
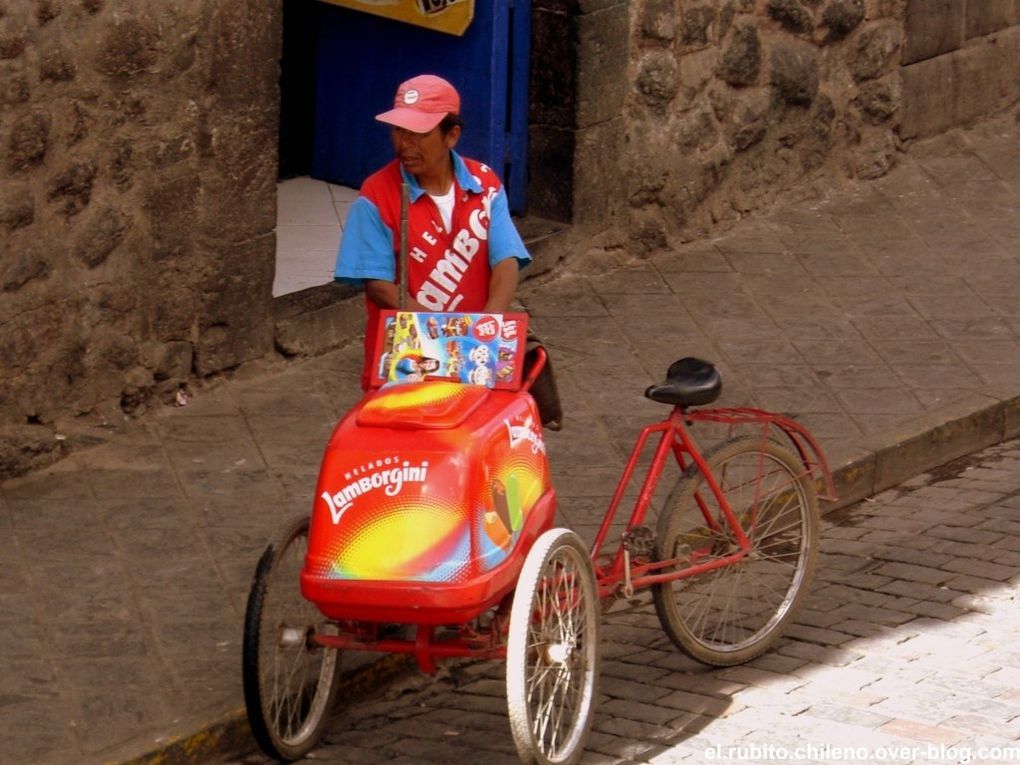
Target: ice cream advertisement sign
(449,16)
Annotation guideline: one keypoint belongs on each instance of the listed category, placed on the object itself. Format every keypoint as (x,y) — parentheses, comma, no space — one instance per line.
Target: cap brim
(411,119)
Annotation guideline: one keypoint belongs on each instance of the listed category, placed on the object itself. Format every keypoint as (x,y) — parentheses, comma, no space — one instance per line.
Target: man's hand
(502,286)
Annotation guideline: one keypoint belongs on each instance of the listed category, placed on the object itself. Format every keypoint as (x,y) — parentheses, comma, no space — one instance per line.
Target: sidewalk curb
(231,734)
(228,734)
(924,442)
(883,460)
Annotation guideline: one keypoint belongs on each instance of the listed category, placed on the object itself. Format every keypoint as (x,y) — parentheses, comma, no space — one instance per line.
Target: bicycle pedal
(639,541)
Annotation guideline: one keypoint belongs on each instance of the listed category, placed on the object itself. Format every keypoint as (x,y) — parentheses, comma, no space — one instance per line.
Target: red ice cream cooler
(429,496)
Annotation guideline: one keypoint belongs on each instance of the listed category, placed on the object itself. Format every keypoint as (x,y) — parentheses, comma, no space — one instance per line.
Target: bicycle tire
(734,613)
(553,651)
(286,718)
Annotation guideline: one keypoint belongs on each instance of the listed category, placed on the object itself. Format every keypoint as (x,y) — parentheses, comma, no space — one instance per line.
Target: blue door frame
(362,58)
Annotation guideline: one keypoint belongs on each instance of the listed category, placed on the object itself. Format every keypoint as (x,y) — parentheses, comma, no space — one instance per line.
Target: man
(464,251)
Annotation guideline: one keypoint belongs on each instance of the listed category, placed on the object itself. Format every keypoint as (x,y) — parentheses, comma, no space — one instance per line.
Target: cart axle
(424,650)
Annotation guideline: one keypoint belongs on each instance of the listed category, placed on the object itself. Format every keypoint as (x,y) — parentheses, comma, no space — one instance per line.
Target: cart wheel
(553,651)
(732,614)
(289,681)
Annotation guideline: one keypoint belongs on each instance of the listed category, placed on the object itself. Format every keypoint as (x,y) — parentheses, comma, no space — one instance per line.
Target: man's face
(424,153)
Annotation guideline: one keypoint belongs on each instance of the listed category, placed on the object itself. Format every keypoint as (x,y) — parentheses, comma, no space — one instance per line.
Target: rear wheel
(733,613)
(552,651)
(290,682)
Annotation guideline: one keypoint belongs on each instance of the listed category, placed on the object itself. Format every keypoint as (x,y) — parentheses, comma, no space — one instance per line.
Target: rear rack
(807,447)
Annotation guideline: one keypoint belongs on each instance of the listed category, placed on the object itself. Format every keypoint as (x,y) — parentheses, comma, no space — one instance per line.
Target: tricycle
(432,534)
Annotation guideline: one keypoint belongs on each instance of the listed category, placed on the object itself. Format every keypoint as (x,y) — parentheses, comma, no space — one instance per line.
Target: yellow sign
(450,16)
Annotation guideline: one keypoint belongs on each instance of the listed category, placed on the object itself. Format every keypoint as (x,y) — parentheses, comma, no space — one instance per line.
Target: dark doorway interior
(297,88)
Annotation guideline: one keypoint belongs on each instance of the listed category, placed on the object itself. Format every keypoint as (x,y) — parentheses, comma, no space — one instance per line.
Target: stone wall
(961,61)
(735,101)
(137,198)
(579,85)
(731,102)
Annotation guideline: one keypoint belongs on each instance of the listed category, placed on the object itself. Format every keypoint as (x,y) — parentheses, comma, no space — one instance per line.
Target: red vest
(449,271)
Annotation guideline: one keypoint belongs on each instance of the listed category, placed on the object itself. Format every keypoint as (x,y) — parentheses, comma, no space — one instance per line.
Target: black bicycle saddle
(689,382)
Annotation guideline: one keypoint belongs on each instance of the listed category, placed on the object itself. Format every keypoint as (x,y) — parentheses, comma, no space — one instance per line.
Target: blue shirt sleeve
(504,240)
(366,248)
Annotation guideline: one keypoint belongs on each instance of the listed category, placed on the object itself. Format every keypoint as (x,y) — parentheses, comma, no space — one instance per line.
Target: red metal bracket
(807,447)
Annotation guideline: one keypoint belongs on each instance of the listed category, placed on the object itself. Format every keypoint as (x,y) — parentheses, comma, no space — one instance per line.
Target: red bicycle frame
(676,439)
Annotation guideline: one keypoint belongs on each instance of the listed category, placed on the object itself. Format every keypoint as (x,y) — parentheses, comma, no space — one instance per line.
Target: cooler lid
(432,405)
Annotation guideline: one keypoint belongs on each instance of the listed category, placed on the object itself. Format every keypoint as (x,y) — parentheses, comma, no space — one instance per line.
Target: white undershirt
(445,205)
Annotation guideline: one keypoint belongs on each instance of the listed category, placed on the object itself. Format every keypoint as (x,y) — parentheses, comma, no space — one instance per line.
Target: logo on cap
(411,97)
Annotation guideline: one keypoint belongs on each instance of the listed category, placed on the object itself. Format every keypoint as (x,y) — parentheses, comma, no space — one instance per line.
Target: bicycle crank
(638,542)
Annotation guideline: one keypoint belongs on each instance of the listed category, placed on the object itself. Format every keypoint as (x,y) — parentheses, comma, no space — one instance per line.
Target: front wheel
(290,682)
(731,614)
(553,651)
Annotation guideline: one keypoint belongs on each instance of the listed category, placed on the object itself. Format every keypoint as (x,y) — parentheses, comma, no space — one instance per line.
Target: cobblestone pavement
(883,315)
(906,651)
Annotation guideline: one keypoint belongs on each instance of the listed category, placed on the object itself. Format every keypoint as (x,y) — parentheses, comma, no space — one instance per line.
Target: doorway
(310,212)
(339,68)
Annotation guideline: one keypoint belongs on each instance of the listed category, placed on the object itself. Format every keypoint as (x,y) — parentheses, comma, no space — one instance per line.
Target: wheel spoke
(721,622)
(289,692)
(778,561)
(738,608)
(551,709)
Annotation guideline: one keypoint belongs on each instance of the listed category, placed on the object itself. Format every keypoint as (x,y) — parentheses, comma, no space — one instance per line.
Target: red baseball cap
(421,103)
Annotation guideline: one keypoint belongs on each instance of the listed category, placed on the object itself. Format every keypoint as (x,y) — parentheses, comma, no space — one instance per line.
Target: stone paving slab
(882,315)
